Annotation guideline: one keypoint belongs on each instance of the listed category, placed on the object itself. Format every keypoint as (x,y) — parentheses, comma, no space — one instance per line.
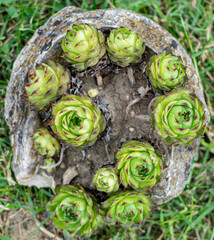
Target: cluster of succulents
(177,116)
(73,207)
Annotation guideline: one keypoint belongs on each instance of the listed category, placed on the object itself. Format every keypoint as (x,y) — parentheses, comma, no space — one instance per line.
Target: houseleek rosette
(178,116)
(139,165)
(83,46)
(127,208)
(166,72)
(77,121)
(75,211)
(46,83)
(45,143)
(106,180)
(125,47)
(49,162)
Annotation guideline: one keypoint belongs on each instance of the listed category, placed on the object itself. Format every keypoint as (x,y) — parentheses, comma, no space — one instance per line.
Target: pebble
(132,113)
(131,129)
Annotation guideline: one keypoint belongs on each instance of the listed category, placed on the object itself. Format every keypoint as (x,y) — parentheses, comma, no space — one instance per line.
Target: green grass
(188,216)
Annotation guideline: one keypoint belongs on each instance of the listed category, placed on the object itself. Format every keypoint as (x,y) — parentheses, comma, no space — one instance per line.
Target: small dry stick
(111,4)
(143,117)
(83,154)
(106,148)
(99,79)
(131,76)
(136,100)
(45,231)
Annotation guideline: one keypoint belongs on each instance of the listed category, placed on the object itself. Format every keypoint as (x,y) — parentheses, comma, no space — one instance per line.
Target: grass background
(189,216)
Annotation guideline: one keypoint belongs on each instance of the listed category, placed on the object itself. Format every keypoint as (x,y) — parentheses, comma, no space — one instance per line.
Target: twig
(20,231)
(106,148)
(136,100)
(131,76)
(45,231)
(111,4)
(4,208)
(143,117)
(83,154)
(58,163)
(99,79)
(161,236)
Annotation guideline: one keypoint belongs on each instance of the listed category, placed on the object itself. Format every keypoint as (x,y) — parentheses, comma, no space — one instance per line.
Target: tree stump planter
(117,89)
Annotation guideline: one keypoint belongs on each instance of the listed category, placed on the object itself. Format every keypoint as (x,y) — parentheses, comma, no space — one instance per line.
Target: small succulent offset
(127,208)
(45,143)
(75,211)
(83,46)
(139,165)
(106,180)
(125,47)
(46,83)
(166,72)
(77,121)
(49,162)
(178,116)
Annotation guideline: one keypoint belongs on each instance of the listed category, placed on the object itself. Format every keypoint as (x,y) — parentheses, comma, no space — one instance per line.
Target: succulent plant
(125,47)
(106,180)
(166,72)
(45,143)
(49,162)
(46,83)
(77,121)
(83,46)
(139,165)
(75,211)
(127,208)
(178,116)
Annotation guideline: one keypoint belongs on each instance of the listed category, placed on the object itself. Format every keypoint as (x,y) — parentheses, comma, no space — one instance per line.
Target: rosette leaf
(127,208)
(139,165)
(46,83)
(45,143)
(83,46)
(77,121)
(75,211)
(166,72)
(106,180)
(124,47)
(178,116)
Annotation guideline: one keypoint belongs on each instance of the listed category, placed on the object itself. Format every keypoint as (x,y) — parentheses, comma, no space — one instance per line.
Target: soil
(21,226)
(118,90)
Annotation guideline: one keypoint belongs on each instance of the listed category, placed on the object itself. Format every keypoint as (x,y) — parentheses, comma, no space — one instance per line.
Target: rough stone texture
(45,43)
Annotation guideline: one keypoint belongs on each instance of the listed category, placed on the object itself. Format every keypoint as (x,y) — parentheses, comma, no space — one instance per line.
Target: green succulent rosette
(124,47)
(49,162)
(45,143)
(77,121)
(83,46)
(75,211)
(166,72)
(138,165)
(106,180)
(127,208)
(178,117)
(46,83)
